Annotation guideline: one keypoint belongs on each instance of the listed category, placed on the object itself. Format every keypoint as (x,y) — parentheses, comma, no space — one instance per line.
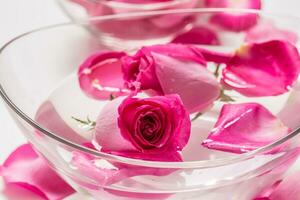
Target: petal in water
(27,169)
(263,69)
(197,87)
(100,76)
(198,35)
(234,21)
(266,31)
(245,127)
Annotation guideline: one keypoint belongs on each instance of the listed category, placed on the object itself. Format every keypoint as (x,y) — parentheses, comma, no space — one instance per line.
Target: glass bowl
(35,64)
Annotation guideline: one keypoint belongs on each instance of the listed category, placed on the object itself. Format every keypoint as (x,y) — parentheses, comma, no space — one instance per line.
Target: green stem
(196,116)
(224,97)
(87,122)
(217,71)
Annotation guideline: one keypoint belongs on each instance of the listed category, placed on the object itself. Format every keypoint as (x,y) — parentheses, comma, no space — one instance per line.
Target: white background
(18,16)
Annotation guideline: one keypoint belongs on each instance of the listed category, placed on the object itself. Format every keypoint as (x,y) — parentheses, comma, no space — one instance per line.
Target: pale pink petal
(291,107)
(198,35)
(94,8)
(287,189)
(197,87)
(137,195)
(100,76)
(234,21)
(245,127)
(107,133)
(99,170)
(178,51)
(27,169)
(266,31)
(49,118)
(263,69)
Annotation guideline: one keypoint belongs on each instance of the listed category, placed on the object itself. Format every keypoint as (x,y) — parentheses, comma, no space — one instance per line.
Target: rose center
(150,132)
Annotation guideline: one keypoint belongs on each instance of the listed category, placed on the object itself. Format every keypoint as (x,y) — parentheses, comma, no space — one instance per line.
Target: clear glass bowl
(35,63)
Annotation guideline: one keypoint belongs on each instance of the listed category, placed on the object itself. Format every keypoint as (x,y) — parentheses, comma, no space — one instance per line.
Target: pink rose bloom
(155,128)
(172,69)
(245,127)
(100,75)
(263,69)
(234,21)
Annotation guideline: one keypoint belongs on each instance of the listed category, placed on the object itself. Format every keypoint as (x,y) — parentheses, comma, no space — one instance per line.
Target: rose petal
(137,195)
(27,169)
(291,107)
(266,31)
(100,76)
(56,124)
(288,188)
(198,35)
(244,127)
(99,170)
(215,56)
(197,87)
(263,69)
(107,132)
(234,21)
(94,8)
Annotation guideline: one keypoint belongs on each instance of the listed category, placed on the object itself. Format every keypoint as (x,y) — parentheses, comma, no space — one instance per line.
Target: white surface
(18,16)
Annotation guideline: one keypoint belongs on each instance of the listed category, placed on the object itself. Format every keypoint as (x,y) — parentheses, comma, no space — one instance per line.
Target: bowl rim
(146,6)
(144,163)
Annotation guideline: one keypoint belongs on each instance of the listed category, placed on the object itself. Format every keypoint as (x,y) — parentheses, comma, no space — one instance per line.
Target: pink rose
(155,128)
(173,69)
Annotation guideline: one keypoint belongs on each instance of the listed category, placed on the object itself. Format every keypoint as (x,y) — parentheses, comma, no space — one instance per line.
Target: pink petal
(178,51)
(234,21)
(215,56)
(197,87)
(100,76)
(263,69)
(266,31)
(104,172)
(107,132)
(244,127)
(137,195)
(26,169)
(48,117)
(287,189)
(198,35)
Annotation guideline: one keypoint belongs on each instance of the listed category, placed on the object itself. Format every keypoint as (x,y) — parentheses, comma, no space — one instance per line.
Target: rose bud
(100,75)
(155,128)
(172,69)
(234,20)
(245,127)
(263,69)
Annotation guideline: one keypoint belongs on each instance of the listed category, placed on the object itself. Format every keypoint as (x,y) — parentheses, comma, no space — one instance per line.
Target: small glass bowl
(35,63)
